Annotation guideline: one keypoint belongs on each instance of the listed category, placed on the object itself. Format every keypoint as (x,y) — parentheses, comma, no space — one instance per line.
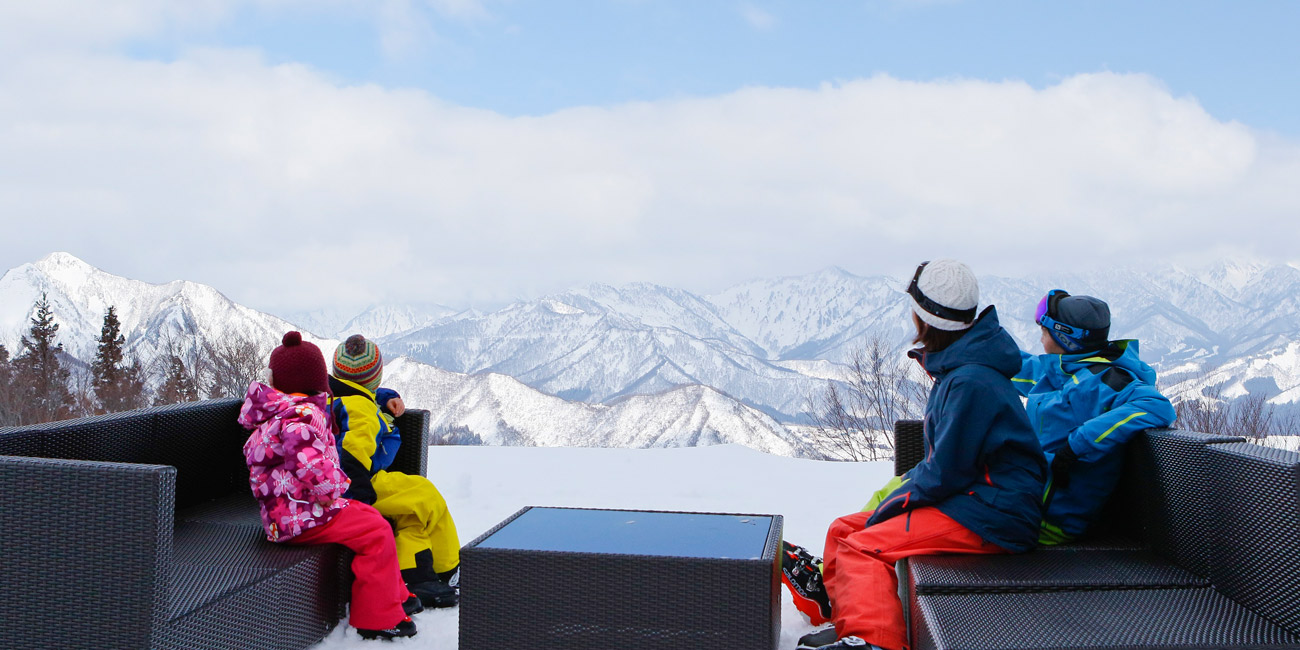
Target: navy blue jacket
(983,464)
(1094,402)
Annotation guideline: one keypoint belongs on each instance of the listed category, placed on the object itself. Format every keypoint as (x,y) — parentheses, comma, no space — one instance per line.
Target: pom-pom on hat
(357,360)
(297,366)
(944,294)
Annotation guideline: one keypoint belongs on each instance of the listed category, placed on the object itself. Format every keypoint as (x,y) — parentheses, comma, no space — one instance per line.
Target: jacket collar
(345,388)
(985,343)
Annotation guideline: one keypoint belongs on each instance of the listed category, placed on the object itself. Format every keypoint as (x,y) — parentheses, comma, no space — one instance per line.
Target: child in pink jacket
(294,471)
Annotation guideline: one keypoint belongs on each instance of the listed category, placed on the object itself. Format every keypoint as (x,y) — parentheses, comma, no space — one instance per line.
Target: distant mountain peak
(62,260)
(835,272)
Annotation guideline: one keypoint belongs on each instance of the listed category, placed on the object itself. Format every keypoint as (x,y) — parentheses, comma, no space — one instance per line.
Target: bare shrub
(1252,416)
(854,419)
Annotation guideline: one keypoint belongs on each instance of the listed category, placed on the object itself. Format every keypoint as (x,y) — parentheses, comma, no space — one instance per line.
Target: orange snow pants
(858,568)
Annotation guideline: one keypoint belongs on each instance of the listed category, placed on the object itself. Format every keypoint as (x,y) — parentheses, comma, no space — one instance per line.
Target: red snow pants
(858,568)
(378,590)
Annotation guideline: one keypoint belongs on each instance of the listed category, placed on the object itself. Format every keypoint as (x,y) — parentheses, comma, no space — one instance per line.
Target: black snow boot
(412,605)
(403,629)
(435,593)
(430,586)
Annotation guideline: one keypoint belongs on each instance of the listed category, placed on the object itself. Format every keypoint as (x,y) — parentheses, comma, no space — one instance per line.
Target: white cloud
(757,18)
(287,190)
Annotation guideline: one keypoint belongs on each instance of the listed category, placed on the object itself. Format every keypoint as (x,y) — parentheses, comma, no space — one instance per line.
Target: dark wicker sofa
(138,530)
(1200,548)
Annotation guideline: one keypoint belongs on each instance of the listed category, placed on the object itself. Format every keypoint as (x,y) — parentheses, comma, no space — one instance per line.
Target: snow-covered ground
(484,485)
(1290,443)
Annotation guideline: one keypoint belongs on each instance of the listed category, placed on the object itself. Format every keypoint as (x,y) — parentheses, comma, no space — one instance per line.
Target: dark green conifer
(41,379)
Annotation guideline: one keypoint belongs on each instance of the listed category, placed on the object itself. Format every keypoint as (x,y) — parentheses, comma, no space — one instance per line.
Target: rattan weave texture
(1047,571)
(288,609)
(116,437)
(909,445)
(238,508)
(86,544)
(1256,550)
(240,620)
(204,441)
(1097,543)
(549,600)
(21,442)
(1168,471)
(1185,619)
(414,429)
(162,550)
(243,546)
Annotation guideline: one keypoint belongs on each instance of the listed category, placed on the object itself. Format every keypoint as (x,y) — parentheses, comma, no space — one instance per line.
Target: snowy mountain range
(644,365)
(181,315)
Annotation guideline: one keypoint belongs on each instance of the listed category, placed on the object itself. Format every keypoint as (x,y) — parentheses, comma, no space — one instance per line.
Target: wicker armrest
(909,445)
(413,455)
(87,552)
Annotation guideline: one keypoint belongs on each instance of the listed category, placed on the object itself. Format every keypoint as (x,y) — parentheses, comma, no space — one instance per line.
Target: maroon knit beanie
(298,367)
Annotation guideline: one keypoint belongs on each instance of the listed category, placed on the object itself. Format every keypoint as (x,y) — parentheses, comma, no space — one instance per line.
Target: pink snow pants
(378,590)
(858,568)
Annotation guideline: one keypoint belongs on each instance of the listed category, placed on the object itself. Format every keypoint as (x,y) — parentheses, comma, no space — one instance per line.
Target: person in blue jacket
(1087,397)
(976,491)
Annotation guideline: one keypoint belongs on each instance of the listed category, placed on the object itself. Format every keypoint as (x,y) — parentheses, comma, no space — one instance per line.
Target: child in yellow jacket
(428,548)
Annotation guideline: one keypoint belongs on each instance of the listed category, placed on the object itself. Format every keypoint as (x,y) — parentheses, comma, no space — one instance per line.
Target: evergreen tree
(9,414)
(41,379)
(178,386)
(118,386)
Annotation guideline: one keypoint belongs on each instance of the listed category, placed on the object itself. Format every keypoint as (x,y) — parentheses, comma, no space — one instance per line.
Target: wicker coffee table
(578,579)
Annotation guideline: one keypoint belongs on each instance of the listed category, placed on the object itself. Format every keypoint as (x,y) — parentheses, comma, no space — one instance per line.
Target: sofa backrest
(1168,484)
(204,442)
(413,455)
(20,441)
(124,437)
(1254,528)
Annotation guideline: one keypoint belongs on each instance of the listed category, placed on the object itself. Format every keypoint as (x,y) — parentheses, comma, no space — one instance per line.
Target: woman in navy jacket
(978,489)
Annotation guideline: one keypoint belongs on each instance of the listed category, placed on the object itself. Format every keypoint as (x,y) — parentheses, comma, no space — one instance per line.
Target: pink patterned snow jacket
(293,464)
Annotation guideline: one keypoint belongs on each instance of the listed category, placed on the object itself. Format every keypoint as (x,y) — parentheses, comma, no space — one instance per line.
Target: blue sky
(471,152)
(1241,60)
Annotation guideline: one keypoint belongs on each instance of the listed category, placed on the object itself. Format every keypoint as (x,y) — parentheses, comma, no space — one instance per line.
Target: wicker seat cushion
(1149,618)
(1057,570)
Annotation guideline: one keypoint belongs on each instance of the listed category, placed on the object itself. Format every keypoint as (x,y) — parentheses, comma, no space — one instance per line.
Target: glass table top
(630,532)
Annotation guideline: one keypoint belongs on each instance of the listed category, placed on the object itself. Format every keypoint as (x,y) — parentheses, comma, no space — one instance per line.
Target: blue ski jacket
(983,465)
(1094,402)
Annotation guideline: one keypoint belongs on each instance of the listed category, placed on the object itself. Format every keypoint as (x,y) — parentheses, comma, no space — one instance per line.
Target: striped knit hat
(357,360)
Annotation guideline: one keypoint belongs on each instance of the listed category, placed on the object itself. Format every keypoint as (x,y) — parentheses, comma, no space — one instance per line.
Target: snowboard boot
(822,636)
(802,574)
(404,628)
(847,643)
(412,605)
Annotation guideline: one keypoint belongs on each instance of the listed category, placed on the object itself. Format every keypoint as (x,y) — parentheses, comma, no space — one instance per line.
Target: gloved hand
(1061,465)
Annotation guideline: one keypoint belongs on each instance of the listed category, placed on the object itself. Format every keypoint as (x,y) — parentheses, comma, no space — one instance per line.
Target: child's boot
(412,605)
(435,593)
(404,628)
